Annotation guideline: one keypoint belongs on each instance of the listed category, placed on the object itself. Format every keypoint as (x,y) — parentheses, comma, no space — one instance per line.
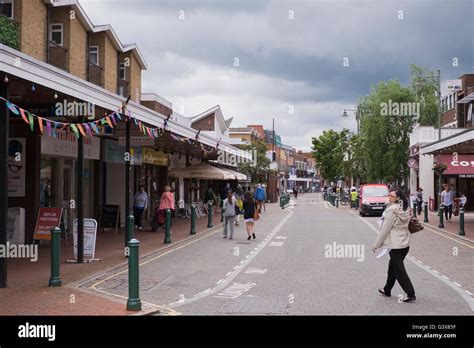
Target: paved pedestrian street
(307,259)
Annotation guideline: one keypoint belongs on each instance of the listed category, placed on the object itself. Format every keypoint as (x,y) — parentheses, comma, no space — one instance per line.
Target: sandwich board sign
(90,235)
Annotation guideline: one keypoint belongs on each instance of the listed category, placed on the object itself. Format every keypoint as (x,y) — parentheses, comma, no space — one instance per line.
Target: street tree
(259,167)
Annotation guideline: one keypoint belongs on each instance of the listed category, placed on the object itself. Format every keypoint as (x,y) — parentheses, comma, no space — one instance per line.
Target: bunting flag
(48,127)
(32,121)
(102,121)
(24,117)
(74,129)
(54,130)
(12,108)
(112,117)
(94,127)
(118,115)
(81,130)
(40,123)
(88,129)
(107,119)
(149,132)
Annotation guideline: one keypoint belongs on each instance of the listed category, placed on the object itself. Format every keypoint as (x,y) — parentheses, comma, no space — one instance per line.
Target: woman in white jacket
(394,235)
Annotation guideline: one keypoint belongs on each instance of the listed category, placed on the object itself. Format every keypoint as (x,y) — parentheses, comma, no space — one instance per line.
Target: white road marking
(278,244)
(457,284)
(228,274)
(235,273)
(445,277)
(220,281)
(236,267)
(281,237)
(235,290)
(436,271)
(470,293)
(256,271)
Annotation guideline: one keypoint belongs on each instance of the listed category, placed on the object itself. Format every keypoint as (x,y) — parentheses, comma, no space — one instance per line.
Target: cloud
(290,53)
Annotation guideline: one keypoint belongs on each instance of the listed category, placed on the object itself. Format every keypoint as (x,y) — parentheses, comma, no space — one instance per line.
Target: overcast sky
(264,59)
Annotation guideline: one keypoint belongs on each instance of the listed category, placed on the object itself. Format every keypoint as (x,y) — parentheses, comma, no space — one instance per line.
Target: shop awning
(466,99)
(202,171)
(462,164)
(238,176)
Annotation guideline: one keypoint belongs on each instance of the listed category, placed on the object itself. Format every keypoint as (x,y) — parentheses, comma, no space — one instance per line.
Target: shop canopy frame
(202,171)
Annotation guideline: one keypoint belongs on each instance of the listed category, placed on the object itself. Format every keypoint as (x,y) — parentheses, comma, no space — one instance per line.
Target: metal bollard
(461,222)
(168,227)
(356,203)
(55,279)
(415,206)
(130,227)
(440,212)
(209,216)
(337,202)
(222,211)
(133,302)
(425,208)
(281,202)
(193,219)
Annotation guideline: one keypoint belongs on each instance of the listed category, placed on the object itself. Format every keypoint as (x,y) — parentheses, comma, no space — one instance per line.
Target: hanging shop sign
(16,167)
(47,219)
(158,158)
(114,153)
(65,145)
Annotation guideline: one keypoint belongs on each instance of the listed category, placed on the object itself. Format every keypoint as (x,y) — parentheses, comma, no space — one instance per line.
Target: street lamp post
(345,114)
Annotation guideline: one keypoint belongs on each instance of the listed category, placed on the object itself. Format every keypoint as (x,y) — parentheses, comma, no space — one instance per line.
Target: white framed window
(94,55)
(122,70)
(56,33)
(6,8)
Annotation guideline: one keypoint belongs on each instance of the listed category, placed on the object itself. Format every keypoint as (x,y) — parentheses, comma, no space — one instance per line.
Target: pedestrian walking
(462,200)
(259,197)
(167,202)
(229,213)
(239,196)
(249,213)
(447,201)
(295,192)
(419,199)
(140,204)
(395,236)
(210,196)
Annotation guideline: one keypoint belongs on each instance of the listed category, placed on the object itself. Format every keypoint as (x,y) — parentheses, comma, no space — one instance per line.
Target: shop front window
(45,183)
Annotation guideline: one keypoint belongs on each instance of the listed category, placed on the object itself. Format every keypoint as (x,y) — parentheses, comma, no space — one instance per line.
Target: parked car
(372,199)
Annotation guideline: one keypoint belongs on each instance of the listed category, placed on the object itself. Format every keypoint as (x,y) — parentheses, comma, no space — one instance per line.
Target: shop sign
(138,141)
(158,158)
(47,219)
(65,145)
(90,236)
(466,176)
(16,167)
(458,164)
(454,85)
(412,163)
(114,153)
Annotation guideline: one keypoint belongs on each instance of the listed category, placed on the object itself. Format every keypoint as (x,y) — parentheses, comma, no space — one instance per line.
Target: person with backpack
(140,204)
(228,207)
(249,214)
(259,196)
(395,236)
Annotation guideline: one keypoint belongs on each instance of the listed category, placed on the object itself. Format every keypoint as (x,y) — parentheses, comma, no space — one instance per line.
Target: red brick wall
(204,123)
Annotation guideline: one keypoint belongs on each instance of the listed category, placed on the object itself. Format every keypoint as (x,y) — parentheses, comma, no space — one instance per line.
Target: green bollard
(130,227)
(193,219)
(55,279)
(133,302)
(209,216)
(425,209)
(337,202)
(356,203)
(281,202)
(222,211)
(415,206)
(168,227)
(440,212)
(461,222)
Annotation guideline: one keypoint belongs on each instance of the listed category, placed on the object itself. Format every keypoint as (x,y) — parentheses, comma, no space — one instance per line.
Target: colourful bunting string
(40,122)
(48,127)
(12,108)
(32,121)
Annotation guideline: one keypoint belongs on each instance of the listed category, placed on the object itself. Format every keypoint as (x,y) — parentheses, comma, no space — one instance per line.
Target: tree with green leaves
(9,32)
(328,151)
(425,87)
(260,166)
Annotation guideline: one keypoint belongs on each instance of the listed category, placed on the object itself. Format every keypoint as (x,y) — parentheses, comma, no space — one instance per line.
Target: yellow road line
(94,286)
(445,236)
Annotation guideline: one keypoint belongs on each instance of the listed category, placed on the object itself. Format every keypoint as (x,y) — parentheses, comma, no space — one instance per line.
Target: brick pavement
(28,292)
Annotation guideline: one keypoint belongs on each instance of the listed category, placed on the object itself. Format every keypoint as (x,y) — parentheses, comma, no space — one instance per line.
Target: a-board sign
(90,234)
(110,217)
(47,219)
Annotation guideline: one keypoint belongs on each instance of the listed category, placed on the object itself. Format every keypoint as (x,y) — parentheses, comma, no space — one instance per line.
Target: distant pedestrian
(239,196)
(140,204)
(249,213)
(447,201)
(395,236)
(419,199)
(210,196)
(167,202)
(229,213)
(259,197)
(462,200)
(295,192)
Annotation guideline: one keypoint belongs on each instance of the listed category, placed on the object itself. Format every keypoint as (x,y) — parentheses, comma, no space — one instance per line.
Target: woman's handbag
(414,225)
(256,215)
(237,209)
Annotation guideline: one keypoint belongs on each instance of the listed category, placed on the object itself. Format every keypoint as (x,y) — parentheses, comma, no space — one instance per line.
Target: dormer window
(6,8)
(122,75)
(94,55)
(56,33)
